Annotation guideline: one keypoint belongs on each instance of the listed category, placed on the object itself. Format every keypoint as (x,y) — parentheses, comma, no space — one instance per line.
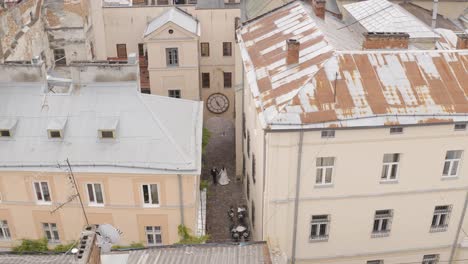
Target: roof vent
(56,126)
(7,126)
(107,127)
(292,56)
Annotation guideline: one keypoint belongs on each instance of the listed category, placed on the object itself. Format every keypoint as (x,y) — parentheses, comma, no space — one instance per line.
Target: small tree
(186,238)
(32,245)
(205,139)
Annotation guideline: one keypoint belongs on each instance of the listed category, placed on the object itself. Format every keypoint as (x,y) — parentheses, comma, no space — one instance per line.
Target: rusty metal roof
(330,88)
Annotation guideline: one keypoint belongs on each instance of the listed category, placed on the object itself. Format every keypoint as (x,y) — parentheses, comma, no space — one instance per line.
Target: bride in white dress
(223,178)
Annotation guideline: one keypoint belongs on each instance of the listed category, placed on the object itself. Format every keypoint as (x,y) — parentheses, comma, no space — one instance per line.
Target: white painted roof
(383,16)
(176,16)
(154,134)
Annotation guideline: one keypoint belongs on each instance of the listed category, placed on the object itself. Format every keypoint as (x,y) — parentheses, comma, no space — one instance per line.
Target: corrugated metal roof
(176,16)
(346,88)
(250,253)
(37,259)
(383,16)
(154,134)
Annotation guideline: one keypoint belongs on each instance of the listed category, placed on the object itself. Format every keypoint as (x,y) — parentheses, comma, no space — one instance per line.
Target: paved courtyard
(220,152)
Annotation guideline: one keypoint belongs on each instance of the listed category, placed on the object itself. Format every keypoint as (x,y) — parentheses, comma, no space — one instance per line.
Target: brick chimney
(319,7)
(88,251)
(385,40)
(462,41)
(292,47)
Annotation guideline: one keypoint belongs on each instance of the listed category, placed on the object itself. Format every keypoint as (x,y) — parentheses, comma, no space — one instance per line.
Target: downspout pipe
(181,199)
(455,241)
(296,200)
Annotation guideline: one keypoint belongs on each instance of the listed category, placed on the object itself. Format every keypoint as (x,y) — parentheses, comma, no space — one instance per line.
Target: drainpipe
(181,199)
(455,241)
(296,200)
(434,13)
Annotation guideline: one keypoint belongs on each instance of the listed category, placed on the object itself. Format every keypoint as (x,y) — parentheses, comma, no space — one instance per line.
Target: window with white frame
(430,259)
(4,230)
(319,227)
(324,170)
(452,162)
(377,261)
(440,218)
(172,57)
(95,196)
(51,232)
(382,223)
(153,235)
(150,194)
(390,167)
(42,192)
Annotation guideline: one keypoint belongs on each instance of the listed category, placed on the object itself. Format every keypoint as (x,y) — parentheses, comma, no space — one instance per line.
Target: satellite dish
(74,250)
(107,235)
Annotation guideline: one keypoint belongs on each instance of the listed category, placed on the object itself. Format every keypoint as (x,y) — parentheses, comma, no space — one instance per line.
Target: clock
(217,103)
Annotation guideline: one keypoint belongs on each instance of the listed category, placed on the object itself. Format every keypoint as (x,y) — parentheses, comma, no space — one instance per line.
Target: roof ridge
(163,129)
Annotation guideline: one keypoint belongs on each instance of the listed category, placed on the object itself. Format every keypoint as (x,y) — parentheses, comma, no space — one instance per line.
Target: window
(243,125)
(390,167)
(324,170)
(227,49)
(253,168)
(55,134)
(319,227)
(122,50)
(172,57)
(106,133)
(460,127)
(328,133)
(153,235)
(4,230)
(59,57)
(452,162)
(5,133)
(382,223)
(227,79)
(248,188)
(205,79)
(440,218)
(150,194)
(243,165)
(396,130)
(51,232)
(430,259)
(248,144)
(174,93)
(141,50)
(236,26)
(95,196)
(42,192)
(375,261)
(253,214)
(205,49)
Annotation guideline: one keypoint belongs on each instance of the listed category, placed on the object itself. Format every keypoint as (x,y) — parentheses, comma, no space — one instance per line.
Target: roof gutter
(96,165)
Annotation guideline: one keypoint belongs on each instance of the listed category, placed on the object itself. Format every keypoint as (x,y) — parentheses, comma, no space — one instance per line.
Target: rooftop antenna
(72,179)
(434,13)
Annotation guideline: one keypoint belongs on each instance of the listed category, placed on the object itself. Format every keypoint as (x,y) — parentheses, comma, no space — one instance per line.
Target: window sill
(380,234)
(95,205)
(444,178)
(151,206)
(318,239)
(43,203)
(388,181)
(326,185)
(438,229)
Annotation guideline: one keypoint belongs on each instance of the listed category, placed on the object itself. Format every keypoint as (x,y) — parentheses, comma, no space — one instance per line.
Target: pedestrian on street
(214,174)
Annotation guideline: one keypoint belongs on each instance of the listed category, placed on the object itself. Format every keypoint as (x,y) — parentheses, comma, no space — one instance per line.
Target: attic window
(56,126)
(396,130)
(460,127)
(171,31)
(7,126)
(5,133)
(107,133)
(328,133)
(55,134)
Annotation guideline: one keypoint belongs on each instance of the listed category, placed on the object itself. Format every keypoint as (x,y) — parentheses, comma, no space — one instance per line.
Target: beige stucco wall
(123,206)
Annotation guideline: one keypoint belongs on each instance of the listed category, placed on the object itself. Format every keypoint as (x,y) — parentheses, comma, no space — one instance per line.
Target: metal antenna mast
(77,194)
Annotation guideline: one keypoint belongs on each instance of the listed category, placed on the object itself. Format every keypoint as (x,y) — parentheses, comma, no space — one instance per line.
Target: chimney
(319,8)
(385,40)
(88,251)
(293,51)
(462,41)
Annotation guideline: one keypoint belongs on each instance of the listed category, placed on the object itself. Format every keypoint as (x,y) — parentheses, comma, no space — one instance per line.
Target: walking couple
(223,177)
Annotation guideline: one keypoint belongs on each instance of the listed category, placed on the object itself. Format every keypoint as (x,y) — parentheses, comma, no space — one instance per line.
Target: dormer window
(107,133)
(108,127)
(56,127)
(7,126)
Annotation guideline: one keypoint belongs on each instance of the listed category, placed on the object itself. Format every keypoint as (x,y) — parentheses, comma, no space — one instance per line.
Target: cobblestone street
(220,152)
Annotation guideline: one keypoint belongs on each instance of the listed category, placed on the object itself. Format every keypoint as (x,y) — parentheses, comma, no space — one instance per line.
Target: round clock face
(217,103)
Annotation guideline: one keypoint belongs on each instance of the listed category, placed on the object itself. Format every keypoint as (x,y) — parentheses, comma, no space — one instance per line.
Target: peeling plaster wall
(22,73)
(87,72)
